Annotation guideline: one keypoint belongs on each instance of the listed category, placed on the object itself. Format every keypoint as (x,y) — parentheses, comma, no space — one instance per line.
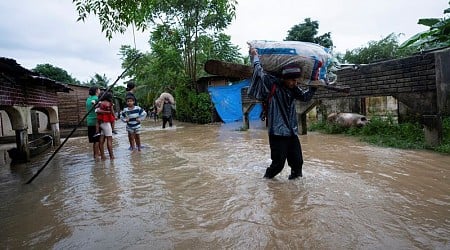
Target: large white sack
(160,101)
(312,58)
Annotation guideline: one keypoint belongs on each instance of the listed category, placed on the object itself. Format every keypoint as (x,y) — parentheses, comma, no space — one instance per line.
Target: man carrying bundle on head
(166,106)
(280,92)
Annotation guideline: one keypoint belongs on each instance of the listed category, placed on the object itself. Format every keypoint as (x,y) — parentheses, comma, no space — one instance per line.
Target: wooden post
(303,124)
(246,121)
(247,108)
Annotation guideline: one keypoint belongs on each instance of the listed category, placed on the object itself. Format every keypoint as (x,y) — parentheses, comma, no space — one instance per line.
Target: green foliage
(55,73)
(445,146)
(385,49)
(98,80)
(192,107)
(177,23)
(326,128)
(163,70)
(184,34)
(438,35)
(156,72)
(377,125)
(388,133)
(307,31)
(218,47)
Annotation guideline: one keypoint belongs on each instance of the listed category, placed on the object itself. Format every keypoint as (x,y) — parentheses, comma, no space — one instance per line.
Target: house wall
(20,93)
(215,83)
(23,93)
(72,106)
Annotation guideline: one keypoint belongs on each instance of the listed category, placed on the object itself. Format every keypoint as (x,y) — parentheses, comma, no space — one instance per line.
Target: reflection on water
(201,187)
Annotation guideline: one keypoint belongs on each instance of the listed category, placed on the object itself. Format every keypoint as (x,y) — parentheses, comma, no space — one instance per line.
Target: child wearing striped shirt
(133,115)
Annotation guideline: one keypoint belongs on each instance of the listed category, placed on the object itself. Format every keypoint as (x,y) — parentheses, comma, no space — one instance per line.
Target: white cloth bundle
(312,58)
(160,101)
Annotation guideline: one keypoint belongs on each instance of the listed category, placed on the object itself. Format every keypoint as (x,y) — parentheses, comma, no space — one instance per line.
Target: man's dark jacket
(281,115)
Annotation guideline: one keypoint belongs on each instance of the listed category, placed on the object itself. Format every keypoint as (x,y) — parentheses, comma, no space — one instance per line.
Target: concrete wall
(443,81)
(6,128)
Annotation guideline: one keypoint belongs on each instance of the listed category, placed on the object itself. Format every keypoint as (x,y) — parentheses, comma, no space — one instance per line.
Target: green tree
(159,71)
(55,73)
(218,47)
(184,21)
(438,36)
(307,32)
(98,80)
(384,49)
(162,70)
(183,35)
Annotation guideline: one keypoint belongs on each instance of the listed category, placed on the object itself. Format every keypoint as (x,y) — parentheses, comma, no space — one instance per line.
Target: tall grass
(445,146)
(388,133)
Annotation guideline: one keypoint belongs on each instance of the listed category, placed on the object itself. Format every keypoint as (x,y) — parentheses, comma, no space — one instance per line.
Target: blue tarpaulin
(228,103)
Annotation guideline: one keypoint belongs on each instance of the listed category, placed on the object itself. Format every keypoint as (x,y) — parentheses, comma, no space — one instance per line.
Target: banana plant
(438,35)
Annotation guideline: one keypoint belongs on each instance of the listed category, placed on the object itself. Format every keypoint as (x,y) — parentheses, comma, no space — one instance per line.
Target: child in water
(133,115)
(105,112)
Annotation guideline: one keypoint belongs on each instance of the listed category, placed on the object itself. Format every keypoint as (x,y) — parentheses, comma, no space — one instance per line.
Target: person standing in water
(133,115)
(280,93)
(166,111)
(131,88)
(105,126)
(91,120)
(105,112)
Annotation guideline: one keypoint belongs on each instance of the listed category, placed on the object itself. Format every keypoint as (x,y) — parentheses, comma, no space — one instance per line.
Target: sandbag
(312,58)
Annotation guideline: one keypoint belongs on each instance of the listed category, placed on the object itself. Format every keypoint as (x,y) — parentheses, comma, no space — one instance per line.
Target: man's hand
(252,51)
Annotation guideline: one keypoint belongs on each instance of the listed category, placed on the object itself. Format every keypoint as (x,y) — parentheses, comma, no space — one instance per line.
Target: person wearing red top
(107,114)
(105,122)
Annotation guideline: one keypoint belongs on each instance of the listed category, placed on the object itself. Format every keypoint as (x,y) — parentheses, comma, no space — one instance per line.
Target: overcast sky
(45,31)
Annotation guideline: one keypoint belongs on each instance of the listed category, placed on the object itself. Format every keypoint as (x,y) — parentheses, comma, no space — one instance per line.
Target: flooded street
(201,187)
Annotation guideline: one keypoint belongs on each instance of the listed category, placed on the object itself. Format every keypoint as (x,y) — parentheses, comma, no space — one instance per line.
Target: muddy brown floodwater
(201,187)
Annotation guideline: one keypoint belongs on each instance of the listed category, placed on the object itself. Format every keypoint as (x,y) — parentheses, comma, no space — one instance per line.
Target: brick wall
(388,78)
(26,94)
(72,106)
